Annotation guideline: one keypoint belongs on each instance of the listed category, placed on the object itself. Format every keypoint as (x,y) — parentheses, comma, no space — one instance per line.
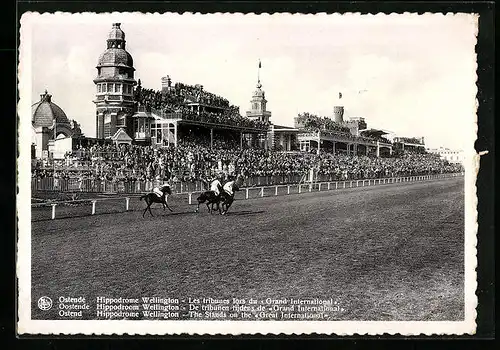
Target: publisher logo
(44,303)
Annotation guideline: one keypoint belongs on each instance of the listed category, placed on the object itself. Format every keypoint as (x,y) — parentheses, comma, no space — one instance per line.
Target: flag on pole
(340,95)
(260,64)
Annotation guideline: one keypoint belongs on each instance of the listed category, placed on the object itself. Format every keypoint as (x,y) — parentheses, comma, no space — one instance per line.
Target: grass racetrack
(388,252)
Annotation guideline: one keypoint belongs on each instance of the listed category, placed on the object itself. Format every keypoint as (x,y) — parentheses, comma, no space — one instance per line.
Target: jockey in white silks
(231,186)
(216,186)
(158,190)
(228,188)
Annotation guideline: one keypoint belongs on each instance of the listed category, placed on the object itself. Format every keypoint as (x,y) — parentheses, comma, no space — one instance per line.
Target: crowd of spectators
(413,140)
(193,159)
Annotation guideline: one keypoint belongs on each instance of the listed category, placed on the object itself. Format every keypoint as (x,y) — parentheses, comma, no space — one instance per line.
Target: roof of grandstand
(376,133)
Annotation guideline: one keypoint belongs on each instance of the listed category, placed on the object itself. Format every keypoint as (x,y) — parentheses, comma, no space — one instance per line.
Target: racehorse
(228,192)
(209,198)
(152,197)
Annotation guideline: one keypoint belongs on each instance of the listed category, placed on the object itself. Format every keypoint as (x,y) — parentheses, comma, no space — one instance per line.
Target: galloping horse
(209,198)
(228,193)
(153,197)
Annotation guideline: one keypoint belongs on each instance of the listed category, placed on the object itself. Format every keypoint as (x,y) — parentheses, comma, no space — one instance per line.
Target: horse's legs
(168,207)
(197,207)
(166,204)
(149,208)
(228,205)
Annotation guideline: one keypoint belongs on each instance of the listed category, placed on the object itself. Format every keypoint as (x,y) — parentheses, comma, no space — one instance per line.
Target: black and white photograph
(244,174)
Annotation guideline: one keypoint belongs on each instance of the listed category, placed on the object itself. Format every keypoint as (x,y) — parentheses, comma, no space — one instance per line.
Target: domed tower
(114,86)
(49,121)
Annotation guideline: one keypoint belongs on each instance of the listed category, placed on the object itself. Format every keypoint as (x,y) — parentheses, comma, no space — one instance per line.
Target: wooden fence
(271,190)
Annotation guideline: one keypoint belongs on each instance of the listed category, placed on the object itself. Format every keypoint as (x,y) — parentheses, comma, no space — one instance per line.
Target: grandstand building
(414,144)
(128,113)
(125,114)
(339,136)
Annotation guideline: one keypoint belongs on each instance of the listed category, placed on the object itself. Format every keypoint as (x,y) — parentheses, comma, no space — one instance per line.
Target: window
(107,130)
(118,88)
(103,87)
(110,87)
(98,87)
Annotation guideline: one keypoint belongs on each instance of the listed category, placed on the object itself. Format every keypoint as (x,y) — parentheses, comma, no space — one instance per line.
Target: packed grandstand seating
(193,159)
(176,100)
(314,123)
(413,140)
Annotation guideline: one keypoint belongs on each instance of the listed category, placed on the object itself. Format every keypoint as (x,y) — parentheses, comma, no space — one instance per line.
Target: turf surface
(389,252)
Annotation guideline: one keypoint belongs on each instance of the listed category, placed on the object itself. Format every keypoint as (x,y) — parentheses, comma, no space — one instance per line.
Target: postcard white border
(99,327)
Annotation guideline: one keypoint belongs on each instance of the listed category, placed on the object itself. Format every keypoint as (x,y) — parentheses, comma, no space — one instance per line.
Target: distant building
(452,156)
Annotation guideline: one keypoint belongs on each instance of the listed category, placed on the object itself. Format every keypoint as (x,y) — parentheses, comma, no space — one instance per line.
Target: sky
(411,75)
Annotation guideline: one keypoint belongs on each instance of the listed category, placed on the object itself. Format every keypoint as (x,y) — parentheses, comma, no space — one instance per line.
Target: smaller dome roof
(45,111)
(115,57)
(116,32)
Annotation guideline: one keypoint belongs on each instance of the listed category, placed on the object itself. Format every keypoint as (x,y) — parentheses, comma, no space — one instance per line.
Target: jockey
(230,187)
(216,186)
(158,190)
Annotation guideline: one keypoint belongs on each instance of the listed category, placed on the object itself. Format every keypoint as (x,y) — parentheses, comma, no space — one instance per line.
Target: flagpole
(258,73)
(53,149)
